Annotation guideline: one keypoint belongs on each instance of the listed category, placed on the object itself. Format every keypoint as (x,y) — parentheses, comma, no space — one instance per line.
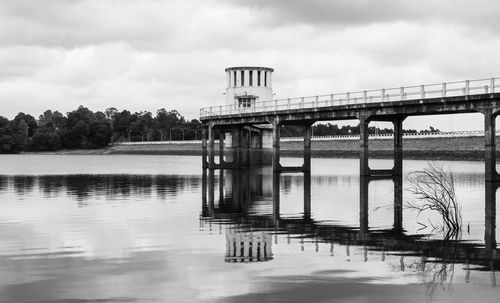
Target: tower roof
(267,69)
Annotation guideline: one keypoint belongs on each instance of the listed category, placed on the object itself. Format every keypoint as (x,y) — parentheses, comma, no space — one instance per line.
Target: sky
(151,54)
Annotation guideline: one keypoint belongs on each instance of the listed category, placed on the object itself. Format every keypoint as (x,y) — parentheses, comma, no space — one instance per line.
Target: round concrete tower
(247,85)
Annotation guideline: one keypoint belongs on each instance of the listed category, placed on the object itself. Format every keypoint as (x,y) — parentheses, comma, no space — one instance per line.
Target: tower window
(250,78)
(258,78)
(265,78)
(242,78)
(234,78)
(245,102)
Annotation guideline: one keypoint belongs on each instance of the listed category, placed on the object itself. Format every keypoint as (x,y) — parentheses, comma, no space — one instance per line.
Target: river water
(113,228)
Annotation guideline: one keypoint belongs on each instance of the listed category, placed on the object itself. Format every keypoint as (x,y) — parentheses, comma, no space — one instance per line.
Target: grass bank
(456,148)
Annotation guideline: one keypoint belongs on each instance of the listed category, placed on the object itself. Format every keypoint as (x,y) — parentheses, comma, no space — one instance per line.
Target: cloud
(146,55)
(362,12)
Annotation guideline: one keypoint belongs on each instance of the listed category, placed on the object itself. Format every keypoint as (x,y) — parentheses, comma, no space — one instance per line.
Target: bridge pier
(306,166)
(490,145)
(364,167)
(204,153)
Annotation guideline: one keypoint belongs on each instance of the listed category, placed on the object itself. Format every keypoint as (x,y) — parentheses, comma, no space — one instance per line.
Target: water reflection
(249,201)
(83,187)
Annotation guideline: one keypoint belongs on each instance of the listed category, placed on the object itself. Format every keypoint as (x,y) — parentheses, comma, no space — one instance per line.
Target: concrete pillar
(204,152)
(211,193)
(211,147)
(490,145)
(221,187)
(236,145)
(221,147)
(276,146)
(398,203)
(490,217)
(249,148)
(398,146)
(204,208)
(364,169)
(276,198)
(307,195)
(364,182)
(307,148)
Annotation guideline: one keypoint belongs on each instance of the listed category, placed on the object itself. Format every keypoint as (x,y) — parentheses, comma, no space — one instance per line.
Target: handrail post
(485,89)
(275,104)
(402,93)
(331,98)
(443,90)
(422,92)
(383,94)
(492,85)
(348,96)
(365,95)
(288,103)
(467,87)
(220,110)
(302,102)
(317,101)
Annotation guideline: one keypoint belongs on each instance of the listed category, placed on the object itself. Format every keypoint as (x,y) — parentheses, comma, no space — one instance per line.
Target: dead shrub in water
(434,190)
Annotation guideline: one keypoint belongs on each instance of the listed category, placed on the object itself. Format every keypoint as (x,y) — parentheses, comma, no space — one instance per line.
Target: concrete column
(211,193)
(364,169)
(307,195)
(204,151)
(490,217)
(204,207)
(398,202)
(490,145)
(398,146)
(307,148)
(221,187)
(236,145)
(276,146)
(364,182)
(276,198)
(249,148)
(221,147)
(211,147)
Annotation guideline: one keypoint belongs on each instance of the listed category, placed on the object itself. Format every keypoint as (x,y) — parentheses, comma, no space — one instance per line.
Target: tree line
(85,129)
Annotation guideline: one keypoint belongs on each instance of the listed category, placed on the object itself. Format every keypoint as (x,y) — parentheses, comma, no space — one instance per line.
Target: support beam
(204,152)
(307,195)
(364,182)
(236,145)
(222,135)
(276,146)
(398,145)
(364,169)
(490,145)
(307,147)
(490,217)
(276,198)
(398,203)
(211,147)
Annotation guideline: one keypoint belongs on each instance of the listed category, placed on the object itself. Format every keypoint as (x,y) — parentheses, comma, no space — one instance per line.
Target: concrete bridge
(247,126)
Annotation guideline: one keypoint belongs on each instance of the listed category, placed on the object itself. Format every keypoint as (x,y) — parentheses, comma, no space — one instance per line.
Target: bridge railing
(417,92)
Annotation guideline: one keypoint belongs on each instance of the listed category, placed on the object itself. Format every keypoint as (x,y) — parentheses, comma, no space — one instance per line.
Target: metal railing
(417,92)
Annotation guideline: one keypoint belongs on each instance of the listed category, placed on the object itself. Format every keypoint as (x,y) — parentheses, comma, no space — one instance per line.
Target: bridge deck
(446,98)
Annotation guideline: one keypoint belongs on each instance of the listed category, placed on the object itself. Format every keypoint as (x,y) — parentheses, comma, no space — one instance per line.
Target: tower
(247,85)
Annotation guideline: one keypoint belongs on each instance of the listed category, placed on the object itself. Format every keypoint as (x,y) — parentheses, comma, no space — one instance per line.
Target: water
(155,229)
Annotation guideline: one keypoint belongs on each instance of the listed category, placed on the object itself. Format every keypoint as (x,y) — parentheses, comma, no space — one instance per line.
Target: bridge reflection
(245,196)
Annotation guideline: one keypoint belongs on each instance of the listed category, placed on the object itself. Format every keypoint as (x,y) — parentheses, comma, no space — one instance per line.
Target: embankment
(458,148)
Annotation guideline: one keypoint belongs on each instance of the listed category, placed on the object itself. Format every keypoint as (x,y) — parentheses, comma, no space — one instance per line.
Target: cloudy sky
(150,54)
